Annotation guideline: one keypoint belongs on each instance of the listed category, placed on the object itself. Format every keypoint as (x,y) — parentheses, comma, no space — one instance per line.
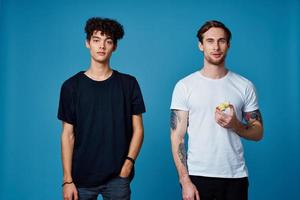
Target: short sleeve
(66,105)
(137,102)
(251,102)
(179,97)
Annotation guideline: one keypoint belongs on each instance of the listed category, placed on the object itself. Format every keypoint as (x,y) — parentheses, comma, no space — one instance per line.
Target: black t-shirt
(101,114)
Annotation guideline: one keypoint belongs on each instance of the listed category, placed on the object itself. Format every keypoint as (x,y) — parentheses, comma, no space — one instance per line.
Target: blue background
(42,44)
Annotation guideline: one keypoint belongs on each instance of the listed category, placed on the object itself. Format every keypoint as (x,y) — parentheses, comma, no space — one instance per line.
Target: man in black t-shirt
(101,110)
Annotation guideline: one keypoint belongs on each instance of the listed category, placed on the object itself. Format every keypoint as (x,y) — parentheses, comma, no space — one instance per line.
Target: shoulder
(71,82)
(126,79)
(193,76)
(241,80)
(123,76)
(188,81)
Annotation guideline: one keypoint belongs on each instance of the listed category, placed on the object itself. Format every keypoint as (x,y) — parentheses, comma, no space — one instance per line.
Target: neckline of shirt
(214,80)
(99,82)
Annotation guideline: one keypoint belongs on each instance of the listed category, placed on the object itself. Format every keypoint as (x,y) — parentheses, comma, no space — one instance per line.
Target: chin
(216,61)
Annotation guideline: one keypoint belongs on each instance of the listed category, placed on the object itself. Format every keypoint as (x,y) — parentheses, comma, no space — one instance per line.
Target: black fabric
(101,113)
(211,188)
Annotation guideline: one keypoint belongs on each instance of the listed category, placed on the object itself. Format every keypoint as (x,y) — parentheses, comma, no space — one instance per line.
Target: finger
(65,196)
(231,109)
(219,122)
(222,121)
(197,195)
(219,115)
(75,196)
(218,111)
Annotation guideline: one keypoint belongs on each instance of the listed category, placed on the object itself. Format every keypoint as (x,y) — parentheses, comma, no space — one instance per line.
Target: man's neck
(99,71)
(213,71)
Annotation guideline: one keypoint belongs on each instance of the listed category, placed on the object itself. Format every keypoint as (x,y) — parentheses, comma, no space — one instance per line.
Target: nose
(216,46)
(102,45)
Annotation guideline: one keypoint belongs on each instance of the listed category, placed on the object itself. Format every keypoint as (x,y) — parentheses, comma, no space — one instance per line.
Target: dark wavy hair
(107,26)
(213,23)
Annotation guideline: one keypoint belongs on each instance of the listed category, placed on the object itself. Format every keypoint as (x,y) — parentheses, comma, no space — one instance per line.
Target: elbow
(259,136)
(175,137)
(67,136)
(258,132)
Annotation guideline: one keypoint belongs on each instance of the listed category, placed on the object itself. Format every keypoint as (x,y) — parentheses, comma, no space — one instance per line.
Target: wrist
(67,179)
(238,128)
(184,180)
(128,164)
(128,158)
(66,183)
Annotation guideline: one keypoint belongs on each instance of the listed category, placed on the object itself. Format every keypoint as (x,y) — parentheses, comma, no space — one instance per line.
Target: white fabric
(214,151)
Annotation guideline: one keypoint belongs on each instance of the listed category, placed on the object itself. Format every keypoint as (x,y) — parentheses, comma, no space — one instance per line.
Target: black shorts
(221,188)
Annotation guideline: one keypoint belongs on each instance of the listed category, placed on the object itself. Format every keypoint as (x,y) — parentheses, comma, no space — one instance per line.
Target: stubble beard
(215,62)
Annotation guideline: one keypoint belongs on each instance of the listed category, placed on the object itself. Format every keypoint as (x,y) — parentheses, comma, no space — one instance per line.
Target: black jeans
(221,188)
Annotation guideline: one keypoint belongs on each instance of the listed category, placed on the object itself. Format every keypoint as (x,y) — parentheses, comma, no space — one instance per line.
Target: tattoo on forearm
(251,116)
(174,118)
(182,154)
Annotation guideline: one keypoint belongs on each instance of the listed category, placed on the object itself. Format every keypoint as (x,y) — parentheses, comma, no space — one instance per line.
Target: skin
(101,48)
(214,46)
(252,130)
(67,146)
(179,123)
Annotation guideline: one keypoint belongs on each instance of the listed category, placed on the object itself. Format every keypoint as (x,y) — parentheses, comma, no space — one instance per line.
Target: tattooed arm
(252,130)
(178,124)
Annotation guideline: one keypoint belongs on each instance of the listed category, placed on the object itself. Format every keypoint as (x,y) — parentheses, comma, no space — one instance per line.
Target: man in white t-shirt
(216,107)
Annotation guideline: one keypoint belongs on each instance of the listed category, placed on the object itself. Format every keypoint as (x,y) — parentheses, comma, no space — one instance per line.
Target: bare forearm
(67,145)
(179,155)
(178,125)
(136,143)
(252,131)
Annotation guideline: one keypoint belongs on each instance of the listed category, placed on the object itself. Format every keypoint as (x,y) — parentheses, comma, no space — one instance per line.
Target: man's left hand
(126,169)
(227,120)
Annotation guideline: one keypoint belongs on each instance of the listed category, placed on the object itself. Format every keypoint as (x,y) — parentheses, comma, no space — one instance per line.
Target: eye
(95,40)
(210,41)
(223,41)
(109,41)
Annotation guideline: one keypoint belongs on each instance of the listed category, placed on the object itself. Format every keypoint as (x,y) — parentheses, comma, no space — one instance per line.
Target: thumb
(231,110)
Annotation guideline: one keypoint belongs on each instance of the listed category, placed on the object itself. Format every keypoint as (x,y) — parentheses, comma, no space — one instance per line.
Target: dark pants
(221,188)
(115,189)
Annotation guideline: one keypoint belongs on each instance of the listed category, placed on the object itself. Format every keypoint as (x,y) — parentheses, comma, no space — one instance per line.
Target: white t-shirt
(214,151)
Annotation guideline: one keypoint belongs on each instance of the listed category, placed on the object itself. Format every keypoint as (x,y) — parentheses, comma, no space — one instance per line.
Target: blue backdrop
(42,44)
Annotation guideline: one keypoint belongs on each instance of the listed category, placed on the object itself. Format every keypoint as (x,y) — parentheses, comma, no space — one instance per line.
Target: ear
(87,44)
(115,47)
(200,45)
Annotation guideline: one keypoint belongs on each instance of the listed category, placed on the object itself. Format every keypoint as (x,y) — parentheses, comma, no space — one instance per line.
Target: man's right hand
(189,191)
(70,192)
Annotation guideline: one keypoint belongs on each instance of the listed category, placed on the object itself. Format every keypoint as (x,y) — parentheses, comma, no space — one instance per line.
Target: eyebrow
(96,37)
(217,39)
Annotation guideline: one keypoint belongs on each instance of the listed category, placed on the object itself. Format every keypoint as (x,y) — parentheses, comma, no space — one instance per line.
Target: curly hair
(107,26)
(210,24)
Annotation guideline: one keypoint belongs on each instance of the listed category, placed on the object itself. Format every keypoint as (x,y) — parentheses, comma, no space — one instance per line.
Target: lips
(101,53)
(216,55)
